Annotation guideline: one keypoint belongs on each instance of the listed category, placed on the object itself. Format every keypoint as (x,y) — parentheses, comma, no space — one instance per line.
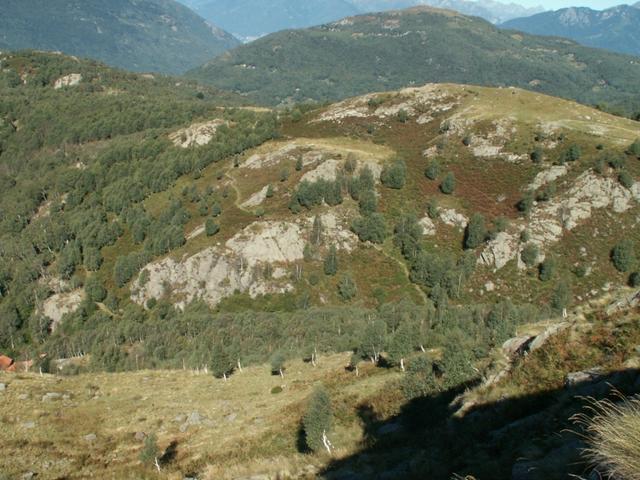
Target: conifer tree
(331,261)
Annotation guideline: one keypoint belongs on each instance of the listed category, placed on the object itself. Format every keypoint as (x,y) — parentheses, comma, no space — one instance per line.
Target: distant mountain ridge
(616,28)
(139,35)
(250,19)
(390,50)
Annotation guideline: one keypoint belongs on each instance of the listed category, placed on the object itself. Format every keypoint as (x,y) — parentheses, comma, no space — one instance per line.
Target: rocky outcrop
(258,260)
(422,103)
(452,218)
(58,305)
(548,220)
(256,199)
(197,134)
(70,80)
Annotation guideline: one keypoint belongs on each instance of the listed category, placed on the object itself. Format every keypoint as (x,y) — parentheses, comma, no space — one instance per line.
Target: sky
(556,4)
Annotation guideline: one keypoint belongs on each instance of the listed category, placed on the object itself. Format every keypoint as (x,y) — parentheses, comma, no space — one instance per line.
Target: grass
(613,436)
(245,428)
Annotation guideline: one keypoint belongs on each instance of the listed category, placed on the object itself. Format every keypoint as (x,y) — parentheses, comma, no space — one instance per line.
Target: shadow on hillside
(525,438)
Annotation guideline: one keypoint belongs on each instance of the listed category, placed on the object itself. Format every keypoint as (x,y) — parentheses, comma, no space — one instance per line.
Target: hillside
(140,35)
(158,237)
(391,50)
(251,19)
(493,11)
(614,29)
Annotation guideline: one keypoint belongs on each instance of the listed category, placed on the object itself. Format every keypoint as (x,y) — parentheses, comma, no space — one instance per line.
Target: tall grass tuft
(613,437)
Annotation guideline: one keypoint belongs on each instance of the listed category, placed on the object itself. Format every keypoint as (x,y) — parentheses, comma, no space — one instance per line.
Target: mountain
(140,35)
(251,19)
(613,29)
(494,12)
(390,50)
(457,265)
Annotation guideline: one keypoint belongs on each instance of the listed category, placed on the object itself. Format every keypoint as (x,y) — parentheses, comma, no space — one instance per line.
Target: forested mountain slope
(390,50)
(614,29)
(405,249)
(140,35)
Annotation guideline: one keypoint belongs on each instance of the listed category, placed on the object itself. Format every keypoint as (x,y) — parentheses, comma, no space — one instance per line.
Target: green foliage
(394,176)
(211,227)
(347,288)
(625,179)
(220,363)
(525,204)
(454,54)
(316,231)
(420,380)
(318,418)
(150,451)
(573,153)
(94,289)
(433,170)
(634,148)
(634,279)
(331,261)
(408,236)
(278,360)
(432,208)
(476,232)
(456,365)
(529,254)
(311,194)
(132,35)
(548,268)
(368,202)
(448,185)
(561,296)
(370,228)
(537,155)
(623,256)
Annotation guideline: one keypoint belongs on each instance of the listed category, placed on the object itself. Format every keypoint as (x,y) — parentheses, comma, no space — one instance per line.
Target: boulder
(577,378)
(3,387)
(51,396)
(90,437)
(517,346)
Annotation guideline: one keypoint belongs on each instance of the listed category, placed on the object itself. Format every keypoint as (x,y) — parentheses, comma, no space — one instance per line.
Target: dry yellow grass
(613,435)
(244,429)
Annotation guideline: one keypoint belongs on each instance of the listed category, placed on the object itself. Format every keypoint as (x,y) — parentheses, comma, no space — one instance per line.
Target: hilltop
(390,50)
(251,19)
(148,35)
(614,29)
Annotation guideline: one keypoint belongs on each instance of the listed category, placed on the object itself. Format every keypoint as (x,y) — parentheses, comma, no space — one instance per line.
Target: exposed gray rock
(51,396)
(390,428)
(29,425)
(23,396)
(517,346)
(139,436)
(3,387)
(542,339)
(90,437)
(231,417)
(576,378)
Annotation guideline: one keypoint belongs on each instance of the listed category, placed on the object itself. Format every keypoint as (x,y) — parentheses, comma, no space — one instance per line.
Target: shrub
(432,209)
(277,363)
(475,232)
(537,155)
(94,289)
(150,451)
(370,228)
(525,204)
(573,153)
(331,261)
(419,380)
(634,279)
(625,179)
(634,148)
(347,287)
(277,389)
(394,176)
(211,227)
(548,269)
(317,420)
(433,170)
(623,256)
(561,296)
(529,254)
(448,185)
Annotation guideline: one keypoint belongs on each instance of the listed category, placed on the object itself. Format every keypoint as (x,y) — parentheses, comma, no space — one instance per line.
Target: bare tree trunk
(326,442)
(281,373)
(357,371)
(239,366)
(564,313)
(157,463)
(224,375)
(422,349)
(402,364)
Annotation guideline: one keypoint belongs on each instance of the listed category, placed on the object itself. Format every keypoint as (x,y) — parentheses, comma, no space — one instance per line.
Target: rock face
(548,221)
(240,265)
(58,305)
(70,80)
(422,103)
(428,227)
(256,199)
(452,218)
(197,134)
